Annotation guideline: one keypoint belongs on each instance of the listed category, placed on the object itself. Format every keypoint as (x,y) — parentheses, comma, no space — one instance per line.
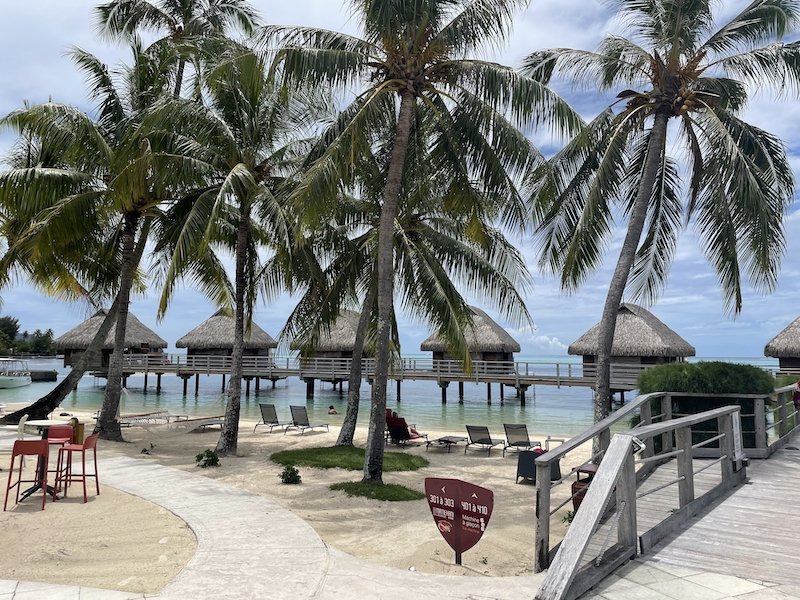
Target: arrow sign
(460,510)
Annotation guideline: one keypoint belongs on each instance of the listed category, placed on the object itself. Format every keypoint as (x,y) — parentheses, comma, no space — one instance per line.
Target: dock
(519,375)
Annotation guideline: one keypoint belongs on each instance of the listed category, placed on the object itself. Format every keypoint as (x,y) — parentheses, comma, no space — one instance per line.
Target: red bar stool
(22,448)
(59,435)
(65,474)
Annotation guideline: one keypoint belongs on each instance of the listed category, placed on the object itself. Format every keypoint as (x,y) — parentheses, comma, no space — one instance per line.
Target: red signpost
(460,510)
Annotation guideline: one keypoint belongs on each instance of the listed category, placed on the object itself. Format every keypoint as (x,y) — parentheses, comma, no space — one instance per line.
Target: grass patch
(391,492)
(346,457)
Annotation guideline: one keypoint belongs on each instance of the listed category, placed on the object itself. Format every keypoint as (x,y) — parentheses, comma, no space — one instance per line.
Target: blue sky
(35,35)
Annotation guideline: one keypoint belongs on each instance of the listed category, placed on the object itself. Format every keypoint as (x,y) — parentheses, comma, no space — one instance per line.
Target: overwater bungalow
(786,348)
(486,342)
(338,342)
(640,338)
(139,339)
(214,337)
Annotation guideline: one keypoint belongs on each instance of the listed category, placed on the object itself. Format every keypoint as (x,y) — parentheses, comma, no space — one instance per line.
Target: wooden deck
(751,533)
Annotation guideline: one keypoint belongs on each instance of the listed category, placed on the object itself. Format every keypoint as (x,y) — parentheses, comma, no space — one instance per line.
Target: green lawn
(346,457)
(390,492)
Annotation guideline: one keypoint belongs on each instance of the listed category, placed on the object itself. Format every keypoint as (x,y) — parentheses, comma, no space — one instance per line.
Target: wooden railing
(519,373)
(611,500)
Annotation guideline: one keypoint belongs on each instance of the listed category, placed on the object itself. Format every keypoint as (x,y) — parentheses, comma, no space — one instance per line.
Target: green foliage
(207,458)
(390,492)
(567,518)
(10,327)
(346,457)
(785,380)
(290,474)
(709,377)
(40,342)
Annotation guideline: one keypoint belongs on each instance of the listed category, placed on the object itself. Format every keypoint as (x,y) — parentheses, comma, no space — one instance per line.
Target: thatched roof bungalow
(214,337)
(139,339)
(339,341)
(786,347)
(485,341)
(639,338)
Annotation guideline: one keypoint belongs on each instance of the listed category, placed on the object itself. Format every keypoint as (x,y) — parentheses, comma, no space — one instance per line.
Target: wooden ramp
(753,533)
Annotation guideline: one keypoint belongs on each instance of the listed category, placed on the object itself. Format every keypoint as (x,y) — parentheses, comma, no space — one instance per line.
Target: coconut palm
(677,66)
(108,184)
(238,143)
(411,57)
(180,19)
(437,254)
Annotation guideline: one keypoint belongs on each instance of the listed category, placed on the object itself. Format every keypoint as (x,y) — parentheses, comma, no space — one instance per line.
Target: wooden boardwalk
(754,532)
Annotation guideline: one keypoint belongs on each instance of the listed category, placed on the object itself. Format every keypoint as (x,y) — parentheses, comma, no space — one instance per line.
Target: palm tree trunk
(179,78)
(608,322)
(107,424)
(229,438)
(373,455)
(348,429)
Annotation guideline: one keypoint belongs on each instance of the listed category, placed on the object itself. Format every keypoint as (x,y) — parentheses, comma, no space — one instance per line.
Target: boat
(14,373)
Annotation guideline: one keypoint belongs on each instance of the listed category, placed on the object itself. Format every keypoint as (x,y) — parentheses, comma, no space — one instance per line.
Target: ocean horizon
(549,410)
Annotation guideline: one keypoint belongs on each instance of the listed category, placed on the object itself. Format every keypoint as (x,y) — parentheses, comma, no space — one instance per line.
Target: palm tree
(238,143)
(180,19)
(437,253)
(677,66)
(411,58)
(109,179)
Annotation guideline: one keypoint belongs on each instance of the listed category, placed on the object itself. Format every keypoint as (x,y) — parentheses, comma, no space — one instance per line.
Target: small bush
(708,377)
(390,492)
(290,474)
(568,518)
(207,458)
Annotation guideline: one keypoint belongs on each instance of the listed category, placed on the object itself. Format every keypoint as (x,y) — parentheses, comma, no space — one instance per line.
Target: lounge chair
(400,433)
(269,418)
(300,420)
(479,435)
(517,437)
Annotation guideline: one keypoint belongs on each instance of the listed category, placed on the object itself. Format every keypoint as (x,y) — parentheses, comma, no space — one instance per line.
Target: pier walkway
(520,374)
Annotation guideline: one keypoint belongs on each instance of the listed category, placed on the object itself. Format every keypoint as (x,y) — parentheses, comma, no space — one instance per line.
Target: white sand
(142,551)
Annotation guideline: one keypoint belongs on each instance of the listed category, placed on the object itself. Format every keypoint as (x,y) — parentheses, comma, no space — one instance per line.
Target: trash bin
(77,431)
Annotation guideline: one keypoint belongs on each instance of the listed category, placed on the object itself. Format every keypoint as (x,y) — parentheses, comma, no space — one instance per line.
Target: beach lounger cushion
(479,436)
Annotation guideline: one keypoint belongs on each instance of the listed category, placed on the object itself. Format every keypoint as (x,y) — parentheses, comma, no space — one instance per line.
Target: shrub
(290,474)
(207,458)
(708,377)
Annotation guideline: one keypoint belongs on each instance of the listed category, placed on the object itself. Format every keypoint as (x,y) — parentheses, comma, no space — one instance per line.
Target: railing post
(783,425)
(761,422)
(726,447)
(646,415)
(666,410)
(626,501)
(683,439)
(542,540)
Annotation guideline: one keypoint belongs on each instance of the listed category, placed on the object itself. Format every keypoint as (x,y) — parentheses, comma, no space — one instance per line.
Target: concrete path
(249,547)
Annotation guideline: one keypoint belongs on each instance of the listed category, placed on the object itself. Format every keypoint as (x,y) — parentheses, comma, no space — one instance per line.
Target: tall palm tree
(109,181)
(437,253)
(179,19)
(677,66)
(238,143)
(411,57)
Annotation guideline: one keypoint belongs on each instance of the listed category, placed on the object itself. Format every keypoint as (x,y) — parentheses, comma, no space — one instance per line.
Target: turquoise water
(549,410)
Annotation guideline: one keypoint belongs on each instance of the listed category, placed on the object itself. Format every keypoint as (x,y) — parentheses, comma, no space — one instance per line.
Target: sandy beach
(117,541)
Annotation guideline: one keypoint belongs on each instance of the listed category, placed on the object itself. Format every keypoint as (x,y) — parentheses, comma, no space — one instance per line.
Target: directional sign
(460,510)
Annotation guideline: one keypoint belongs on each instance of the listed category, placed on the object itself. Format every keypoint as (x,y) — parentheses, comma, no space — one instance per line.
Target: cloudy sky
(34,37)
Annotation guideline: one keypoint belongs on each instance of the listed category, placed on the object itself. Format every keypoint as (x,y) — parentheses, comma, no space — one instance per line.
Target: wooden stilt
(197,384)
(398,390)
(502,394)
(489,392)
(309,389)
(145,382)
(158,384)
(258,384)
(247,387)
(223,382)
(461,392)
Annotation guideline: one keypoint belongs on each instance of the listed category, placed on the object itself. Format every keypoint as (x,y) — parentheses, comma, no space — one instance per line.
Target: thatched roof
(340,338)
(638,333)
(136,334)
(787,343)
(486,336)
(217,332)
